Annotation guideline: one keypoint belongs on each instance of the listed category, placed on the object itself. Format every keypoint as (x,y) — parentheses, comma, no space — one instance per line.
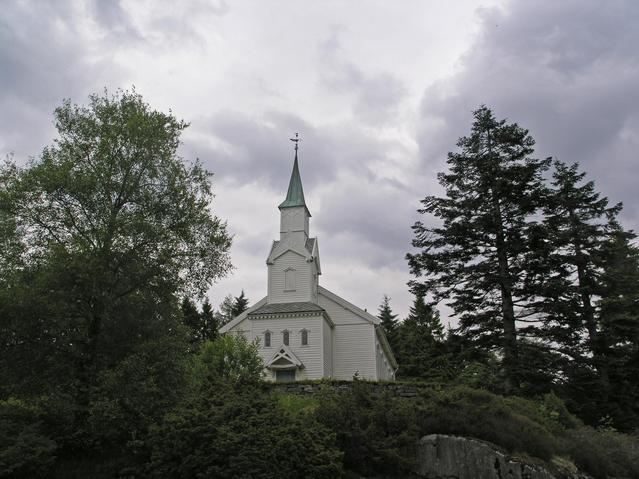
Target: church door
(285,376)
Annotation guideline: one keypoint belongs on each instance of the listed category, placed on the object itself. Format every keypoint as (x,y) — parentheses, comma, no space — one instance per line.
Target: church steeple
(294,214)
(295,194)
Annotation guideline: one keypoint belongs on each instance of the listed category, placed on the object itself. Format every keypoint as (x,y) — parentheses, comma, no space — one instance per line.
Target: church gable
(291,279)
(284,358)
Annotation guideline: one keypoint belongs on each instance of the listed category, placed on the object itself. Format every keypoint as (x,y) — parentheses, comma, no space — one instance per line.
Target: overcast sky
(378,90)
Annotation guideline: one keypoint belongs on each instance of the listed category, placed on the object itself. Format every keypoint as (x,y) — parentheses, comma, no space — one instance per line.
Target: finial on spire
(296,140)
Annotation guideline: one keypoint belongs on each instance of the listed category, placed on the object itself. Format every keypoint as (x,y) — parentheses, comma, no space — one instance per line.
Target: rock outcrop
(452,457)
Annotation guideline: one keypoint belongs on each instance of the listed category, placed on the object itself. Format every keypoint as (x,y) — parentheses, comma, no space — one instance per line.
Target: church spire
(295,194)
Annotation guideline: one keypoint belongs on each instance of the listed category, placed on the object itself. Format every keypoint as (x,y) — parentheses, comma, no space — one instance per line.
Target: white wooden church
(304,330)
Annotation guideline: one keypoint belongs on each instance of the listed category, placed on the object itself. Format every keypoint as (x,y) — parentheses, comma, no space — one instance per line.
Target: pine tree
(476,256)
(388,320)
(240,304)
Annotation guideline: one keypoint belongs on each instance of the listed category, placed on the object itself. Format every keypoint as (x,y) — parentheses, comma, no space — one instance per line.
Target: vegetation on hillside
(112,366)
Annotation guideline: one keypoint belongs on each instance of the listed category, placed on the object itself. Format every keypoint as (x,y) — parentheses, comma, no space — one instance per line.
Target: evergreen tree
(225,310)
(191,318)
(209,320)
(619,323)
(577,221)
(240,304)
(418,341)
(586,278)
(476,256)
(388,320)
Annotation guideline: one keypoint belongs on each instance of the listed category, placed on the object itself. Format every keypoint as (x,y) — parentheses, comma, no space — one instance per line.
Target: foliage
(230,358)
(476,258)
(25,448)
(418,343)
(113,226)
(483,415)
(296,404)
(377,435)
(138,391)
(240,304)
(203,324)
(241,432)
(388,320)
(603,452)
(100,236)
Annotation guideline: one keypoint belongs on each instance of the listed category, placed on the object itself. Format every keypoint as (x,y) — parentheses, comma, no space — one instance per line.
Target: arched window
(267,339)
(304,336)
(289,279)
(285,337)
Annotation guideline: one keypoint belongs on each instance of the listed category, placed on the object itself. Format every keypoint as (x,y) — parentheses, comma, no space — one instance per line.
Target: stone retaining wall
(395,389)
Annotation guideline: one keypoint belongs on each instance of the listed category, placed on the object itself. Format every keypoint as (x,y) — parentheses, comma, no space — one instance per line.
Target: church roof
(295,194)
(280,308)
(310,242)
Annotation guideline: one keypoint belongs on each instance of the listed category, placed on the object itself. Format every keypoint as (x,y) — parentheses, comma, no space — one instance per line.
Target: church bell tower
(293,263)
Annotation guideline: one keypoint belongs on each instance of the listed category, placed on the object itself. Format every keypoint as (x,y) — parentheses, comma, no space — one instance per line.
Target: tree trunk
(588,317)
(509,340)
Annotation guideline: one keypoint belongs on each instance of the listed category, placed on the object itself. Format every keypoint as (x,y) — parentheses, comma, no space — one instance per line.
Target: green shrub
(603,452)
(241,433)
(296,404)
(25,449)
(230,358)
(471,412)
(377,435)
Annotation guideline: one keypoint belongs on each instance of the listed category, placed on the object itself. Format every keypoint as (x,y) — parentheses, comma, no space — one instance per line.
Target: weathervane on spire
(296,140)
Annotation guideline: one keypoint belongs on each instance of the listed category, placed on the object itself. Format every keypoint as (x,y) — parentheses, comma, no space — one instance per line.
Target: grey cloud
(42,61)
(252,148)
(376,213)
(567,71)
(377,97)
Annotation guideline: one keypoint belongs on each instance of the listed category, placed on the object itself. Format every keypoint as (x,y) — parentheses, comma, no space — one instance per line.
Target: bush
(603,452)
(230,358)
(377,435)
(241,433)
(137,392)
(25,449)
(470,412)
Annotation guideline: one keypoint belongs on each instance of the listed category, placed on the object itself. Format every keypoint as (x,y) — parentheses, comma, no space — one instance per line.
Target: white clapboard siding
(384,369)
(353,341)
(312,356)
(354,352)
(303,273)
(327,338)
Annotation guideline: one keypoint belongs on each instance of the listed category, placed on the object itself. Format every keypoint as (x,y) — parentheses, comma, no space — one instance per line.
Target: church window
(304,336)
(267,339)
(289,279)
(285,337)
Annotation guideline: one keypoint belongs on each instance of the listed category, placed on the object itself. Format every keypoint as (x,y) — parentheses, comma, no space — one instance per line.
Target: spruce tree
(240,304)
(619,323)
(209,320)
(475,257)
(191,318)
(587,279)
(576,226)
(419,341)
(388,320)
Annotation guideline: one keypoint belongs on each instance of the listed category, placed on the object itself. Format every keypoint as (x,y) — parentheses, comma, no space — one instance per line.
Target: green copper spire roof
(295,195)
